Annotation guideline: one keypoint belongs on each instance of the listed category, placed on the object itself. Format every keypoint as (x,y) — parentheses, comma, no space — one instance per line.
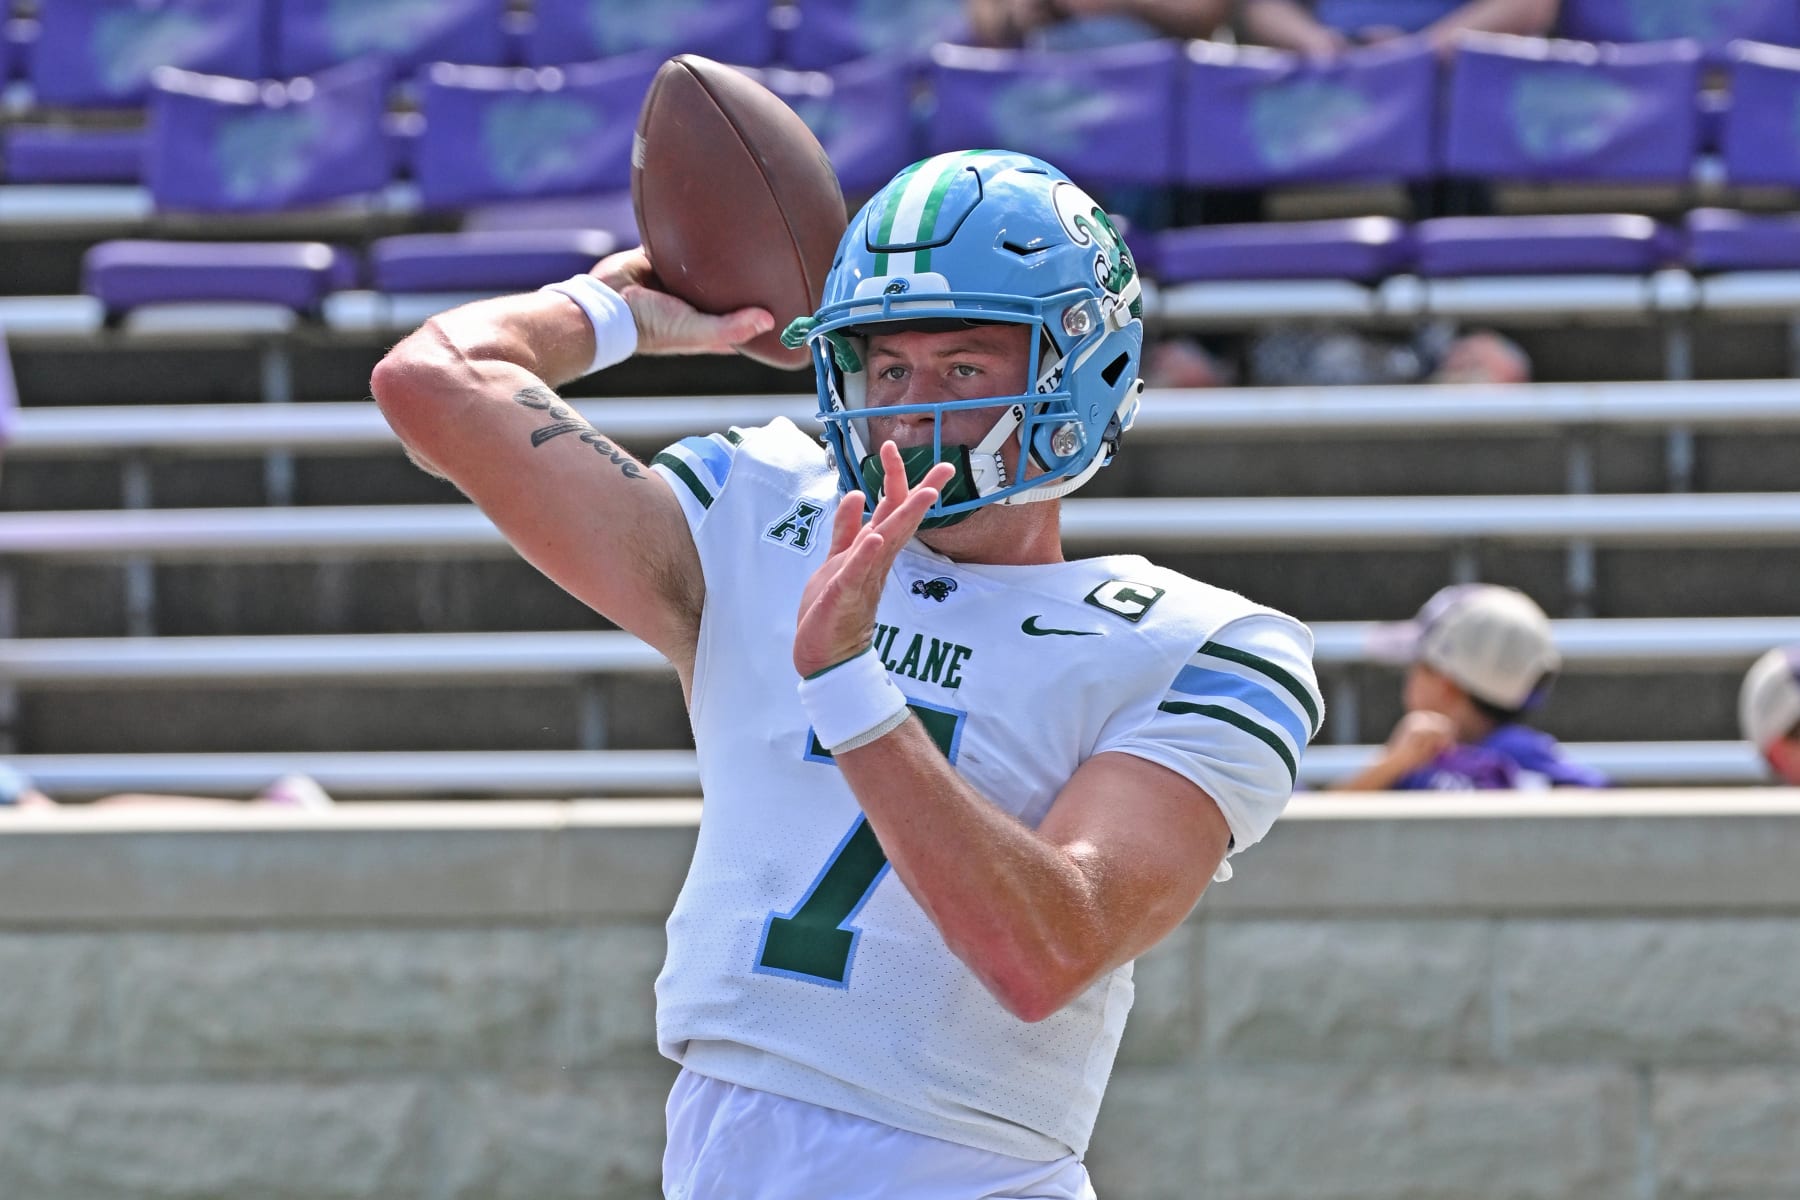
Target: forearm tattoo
(564,419)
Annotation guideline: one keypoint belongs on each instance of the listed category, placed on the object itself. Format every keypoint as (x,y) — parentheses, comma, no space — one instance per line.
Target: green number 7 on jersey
(816,942)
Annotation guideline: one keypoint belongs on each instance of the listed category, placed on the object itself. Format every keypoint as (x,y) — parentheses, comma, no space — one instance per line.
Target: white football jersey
(797,962)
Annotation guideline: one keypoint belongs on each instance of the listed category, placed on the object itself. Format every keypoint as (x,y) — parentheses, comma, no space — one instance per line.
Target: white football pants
(728,1142)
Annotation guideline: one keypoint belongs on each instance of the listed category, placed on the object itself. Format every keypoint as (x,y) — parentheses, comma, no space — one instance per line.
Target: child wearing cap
(1769,711)
(1481,659)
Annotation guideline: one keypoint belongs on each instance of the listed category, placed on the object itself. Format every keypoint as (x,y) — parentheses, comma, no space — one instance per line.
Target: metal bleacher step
(1587,645)
(675,773)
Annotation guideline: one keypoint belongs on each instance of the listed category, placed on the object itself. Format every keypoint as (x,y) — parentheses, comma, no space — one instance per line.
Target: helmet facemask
(1056,267)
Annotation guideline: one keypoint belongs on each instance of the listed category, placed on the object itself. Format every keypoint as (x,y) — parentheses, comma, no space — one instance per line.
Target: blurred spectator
(1324,28)
(1769,711)
(1326,355)
(1086,24)
(290,791)
(1482,659)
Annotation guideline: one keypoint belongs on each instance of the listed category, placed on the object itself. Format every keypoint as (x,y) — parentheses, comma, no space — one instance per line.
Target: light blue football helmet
(986,236)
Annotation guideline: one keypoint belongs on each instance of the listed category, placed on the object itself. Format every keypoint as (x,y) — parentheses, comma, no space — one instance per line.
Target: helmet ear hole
(1114,369)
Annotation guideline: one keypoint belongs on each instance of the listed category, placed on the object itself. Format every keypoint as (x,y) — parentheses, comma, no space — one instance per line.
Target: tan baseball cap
(1769,701)
(1493,642)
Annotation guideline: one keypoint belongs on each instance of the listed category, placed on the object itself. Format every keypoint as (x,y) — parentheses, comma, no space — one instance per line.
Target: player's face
(915,367)
(1427,690)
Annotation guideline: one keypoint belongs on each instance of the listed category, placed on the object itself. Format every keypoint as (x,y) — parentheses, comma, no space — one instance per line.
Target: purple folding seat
(1105,116)
(233,145)
(72,154)
(733,31)
(102,52)
(1253,117)
(1532,109)
(126,275)
(824,33)
(1576,244)
(11,53)
(609,211)
(494,133)
(484,262)
(1364,249)
(404,34)
(861,112)
(1759,141)
(1713,23)
(1759,145)
(1720,239)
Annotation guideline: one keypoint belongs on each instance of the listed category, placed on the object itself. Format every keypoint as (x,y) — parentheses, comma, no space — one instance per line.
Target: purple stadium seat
(1714,23)
(1353,16)
(1759,141)
(827,32)
(610,211)
(1527,108)
(494,133)
(72,154)
(125,275)
(405,34)
(484,262)
(1105,116)
(1584,244)
(102,52)
(861,112)
(10,53)
(734,31)
(1719,239)
(1254,117)
(233,145)
(1364,249)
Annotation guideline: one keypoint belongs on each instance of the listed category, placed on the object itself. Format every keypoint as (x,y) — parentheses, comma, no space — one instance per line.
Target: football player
(955,783)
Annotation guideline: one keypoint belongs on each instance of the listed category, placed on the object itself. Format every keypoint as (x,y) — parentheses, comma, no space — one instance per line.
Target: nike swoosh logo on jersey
(1030,625)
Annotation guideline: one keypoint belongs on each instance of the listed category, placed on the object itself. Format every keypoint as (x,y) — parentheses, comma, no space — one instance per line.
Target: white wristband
(853,703)
(615,329)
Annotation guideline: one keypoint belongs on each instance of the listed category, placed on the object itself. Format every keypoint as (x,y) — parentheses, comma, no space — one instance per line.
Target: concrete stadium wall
(1478,998)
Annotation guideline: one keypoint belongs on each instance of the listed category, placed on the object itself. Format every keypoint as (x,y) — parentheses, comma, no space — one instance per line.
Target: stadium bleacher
(214,564)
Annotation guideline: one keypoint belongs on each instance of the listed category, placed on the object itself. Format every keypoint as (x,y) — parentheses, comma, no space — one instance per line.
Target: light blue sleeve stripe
(716,457)
(1198,681)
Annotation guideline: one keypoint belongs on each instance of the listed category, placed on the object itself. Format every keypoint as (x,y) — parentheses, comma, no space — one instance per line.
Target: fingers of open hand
(845,522)
(895,490)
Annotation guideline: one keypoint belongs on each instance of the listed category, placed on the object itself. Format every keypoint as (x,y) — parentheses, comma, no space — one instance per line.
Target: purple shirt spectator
(1513,757)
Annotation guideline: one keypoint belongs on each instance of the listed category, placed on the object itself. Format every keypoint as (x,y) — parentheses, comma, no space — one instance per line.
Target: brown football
(734,197)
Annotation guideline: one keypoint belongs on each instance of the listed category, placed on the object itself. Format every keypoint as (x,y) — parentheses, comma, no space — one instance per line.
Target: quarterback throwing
(954,783)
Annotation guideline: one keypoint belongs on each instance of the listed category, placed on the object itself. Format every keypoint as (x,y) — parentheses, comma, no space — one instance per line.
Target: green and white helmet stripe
(917,198)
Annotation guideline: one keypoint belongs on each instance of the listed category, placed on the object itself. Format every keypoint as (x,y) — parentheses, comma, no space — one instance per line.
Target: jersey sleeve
(697,468)
(1235,720)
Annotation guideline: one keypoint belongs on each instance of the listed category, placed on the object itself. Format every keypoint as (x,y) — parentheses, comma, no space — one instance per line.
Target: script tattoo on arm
(563,420)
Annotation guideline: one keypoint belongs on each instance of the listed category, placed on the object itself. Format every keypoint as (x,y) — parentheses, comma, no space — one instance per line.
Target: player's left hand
(837,609)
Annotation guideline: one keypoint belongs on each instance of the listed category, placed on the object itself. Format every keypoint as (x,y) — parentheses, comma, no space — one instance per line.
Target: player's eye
(965,370)
(892,373)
